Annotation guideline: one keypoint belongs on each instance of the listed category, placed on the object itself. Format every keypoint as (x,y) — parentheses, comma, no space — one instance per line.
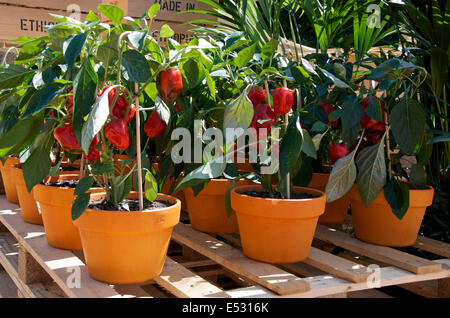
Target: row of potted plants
(111,98)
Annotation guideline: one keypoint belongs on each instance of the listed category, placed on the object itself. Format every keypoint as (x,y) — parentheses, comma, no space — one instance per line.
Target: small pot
(28,207)
(377,223)
(55,204)
(277,231)
(336,211)
(8,180)
(127,247)
(207,211)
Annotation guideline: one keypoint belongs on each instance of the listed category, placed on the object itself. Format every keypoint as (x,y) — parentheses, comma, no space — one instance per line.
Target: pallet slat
(59,264)
(324,261)
(385,254)
(233,259)
(388,276)
(433,246)
(185,284)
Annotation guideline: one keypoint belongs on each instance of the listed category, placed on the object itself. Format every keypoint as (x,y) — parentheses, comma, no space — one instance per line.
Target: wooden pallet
(203,265)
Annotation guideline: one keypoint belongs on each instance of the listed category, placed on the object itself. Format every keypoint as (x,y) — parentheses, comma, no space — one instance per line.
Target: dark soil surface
(128,205)
(62,184)
(277,195)
(69,169)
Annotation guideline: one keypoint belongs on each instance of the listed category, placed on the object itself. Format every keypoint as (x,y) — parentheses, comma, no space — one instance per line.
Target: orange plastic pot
(28,207)
(55,204)
(127,247)
(207,211)
(377,223)
(277,231)
(336,211)
(9,182)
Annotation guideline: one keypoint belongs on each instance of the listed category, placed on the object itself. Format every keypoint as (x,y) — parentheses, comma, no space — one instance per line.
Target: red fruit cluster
(337,151)
(154,126)
(283,100)
(121,107)
(257,95)
(66,138)
(93,153)
(329,109)
(117,133)
(370,124)
(169,85)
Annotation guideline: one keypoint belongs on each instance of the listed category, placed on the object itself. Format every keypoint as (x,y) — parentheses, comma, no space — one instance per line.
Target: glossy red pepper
(263,112)
(257,95)
(66,138)
(93,154)
(374,137)
(121,106)
(329,109)
(337,152)
(117,133)
(283,100)
(154,126)
(369,123)
(177,108)
(169,85)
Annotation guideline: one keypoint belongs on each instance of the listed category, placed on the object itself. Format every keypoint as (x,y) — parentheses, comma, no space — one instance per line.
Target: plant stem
(82,166)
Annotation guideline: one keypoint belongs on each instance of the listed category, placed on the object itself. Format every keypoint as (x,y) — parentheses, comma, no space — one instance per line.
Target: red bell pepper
(121,106)
(263,112)
(374,137)
(169,85)
(93,154)
(283,100)
(66,138)
(337,152)
(369,123)
(154,126)
(329,109)
(257,95)
(117,133)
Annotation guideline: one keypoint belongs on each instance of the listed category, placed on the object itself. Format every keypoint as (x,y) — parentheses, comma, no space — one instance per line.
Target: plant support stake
(288,176)
(138,149)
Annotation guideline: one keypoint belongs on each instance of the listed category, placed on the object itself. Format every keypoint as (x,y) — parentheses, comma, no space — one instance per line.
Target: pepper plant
(388,124)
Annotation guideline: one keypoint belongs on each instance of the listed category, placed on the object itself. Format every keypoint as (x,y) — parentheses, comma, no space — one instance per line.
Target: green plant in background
(424,27)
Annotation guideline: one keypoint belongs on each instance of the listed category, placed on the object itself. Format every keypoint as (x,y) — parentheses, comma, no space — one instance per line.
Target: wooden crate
(203,265)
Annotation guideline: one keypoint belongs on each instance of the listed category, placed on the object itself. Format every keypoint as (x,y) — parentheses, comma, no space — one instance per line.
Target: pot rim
(160,196)
(259,187)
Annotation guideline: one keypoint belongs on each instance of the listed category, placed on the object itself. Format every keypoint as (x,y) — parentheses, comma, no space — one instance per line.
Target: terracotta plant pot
(277,231)
(336,211)
(28,207)
(377,223)
(207,210)
(55,204)
(127,247)
(2,188)
(8,180)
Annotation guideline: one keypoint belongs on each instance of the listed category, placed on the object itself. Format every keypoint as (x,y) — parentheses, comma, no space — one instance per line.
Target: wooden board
(267,275)
(385,254)
(433,246)
(21,21)
(84,5)
(170,9)
(29,262)
(59,264)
